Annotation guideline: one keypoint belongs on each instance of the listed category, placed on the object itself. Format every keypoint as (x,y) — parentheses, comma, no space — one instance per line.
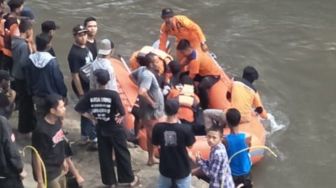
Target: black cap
(4,75)
(48,25)
(78,29)
(102,76)
(171,107)
(167,13)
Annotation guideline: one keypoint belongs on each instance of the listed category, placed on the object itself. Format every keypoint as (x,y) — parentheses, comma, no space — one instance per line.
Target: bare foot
(80,180)
(136,182)
(152,162)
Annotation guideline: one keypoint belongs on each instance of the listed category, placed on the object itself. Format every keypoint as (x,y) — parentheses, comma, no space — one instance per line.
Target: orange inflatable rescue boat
(129,91)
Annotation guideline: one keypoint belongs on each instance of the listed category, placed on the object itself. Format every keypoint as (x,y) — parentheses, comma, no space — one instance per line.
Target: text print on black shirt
(101,107)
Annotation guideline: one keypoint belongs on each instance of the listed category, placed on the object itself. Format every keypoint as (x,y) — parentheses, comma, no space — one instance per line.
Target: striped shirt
(216,166)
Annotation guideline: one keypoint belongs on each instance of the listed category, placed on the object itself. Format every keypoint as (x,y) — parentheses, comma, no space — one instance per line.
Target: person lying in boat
(244,96)
(189,104)
(235,144)
(193,114)
(201,67)
(180,27)
(161,58)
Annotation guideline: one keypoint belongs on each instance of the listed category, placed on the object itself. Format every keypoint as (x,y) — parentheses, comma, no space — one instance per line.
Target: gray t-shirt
(103,63)
(145,79)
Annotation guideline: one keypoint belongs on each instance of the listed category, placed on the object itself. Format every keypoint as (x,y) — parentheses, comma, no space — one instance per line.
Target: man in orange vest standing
(180,27)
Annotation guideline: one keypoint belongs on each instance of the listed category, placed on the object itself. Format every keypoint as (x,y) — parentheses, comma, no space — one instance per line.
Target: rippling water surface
(291,43)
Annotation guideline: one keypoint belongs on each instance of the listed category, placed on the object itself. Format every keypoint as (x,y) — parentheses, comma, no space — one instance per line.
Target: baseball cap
(4,75)
(171,107)
(104,47)
(78,29)
(167,13)
(102,76)
(48,25)
(27,13)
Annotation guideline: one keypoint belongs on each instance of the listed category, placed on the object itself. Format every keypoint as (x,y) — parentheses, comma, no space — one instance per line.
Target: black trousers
(205,84)
(114,142)
(11,182)
(245,179)
(27,119)
(6,63)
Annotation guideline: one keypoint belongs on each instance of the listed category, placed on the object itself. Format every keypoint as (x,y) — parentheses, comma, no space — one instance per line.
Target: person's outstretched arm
(212,168)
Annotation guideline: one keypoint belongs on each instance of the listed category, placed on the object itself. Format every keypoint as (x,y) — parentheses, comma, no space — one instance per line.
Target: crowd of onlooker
(171,97)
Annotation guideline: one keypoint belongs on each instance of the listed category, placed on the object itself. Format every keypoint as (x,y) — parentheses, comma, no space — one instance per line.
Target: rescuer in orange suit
(245,97)
(180,27)
(201,68)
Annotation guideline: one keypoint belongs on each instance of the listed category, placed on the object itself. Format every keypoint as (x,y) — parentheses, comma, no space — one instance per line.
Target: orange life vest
(187,100)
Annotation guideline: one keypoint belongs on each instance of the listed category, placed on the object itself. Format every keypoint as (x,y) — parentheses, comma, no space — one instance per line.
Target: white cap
(104,47)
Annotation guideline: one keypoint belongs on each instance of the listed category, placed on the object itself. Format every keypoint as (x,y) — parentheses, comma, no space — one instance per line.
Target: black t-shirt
(103,105)
(52,51)
(93,48)
(49,141)
(77,58)
(10,159)
(173,140)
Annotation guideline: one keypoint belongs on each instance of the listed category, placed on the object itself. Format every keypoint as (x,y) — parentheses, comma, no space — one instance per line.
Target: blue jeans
(165,182)
(88,130)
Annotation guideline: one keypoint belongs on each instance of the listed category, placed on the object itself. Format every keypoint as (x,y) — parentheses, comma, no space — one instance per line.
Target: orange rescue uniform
(182,28)
(204,65)
(246,99)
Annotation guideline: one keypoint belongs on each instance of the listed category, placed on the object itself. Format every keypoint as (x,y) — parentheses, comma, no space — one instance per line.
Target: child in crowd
(173,137)
(235,142)
(216,169)
(9,93)
(48,139)
(104,107)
